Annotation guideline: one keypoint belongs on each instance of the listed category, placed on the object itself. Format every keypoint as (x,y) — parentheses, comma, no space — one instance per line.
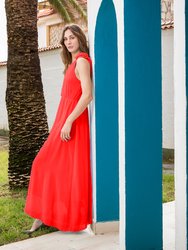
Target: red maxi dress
(60,187)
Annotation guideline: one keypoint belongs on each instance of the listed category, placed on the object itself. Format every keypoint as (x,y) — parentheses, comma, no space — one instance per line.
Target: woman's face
(71,41)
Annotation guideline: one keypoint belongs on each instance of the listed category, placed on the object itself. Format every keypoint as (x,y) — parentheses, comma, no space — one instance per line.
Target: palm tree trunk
(24,95)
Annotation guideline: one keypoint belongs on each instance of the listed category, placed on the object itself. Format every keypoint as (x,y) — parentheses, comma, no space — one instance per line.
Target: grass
(3,166)
(168,187)
(13,220)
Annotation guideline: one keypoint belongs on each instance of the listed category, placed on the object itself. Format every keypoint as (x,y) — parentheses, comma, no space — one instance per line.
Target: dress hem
(61,228)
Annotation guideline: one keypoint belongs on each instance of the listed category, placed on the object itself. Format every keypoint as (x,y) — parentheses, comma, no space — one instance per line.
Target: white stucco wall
(42,36)
(3,36)
(3,112)
(119,6)
(92,8)
(180,104)
(42,24)
(52,77)
(168,88)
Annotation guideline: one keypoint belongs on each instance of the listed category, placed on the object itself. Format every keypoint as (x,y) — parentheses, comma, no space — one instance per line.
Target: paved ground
(169,226)
(86,240)
(83,240)
(168,168)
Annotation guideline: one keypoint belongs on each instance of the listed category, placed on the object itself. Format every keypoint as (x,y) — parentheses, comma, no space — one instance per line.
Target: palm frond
(79,9)
(59,6)
(69,8)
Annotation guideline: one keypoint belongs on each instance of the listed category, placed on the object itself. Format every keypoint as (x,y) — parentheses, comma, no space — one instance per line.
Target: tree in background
(25,102)
(68,9)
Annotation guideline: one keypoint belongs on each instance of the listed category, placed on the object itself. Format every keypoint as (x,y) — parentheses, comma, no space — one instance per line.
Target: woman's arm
(83,70)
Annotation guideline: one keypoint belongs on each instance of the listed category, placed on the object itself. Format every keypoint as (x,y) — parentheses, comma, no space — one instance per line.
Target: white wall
(180,104)
(42,36)
(42,23)
(52,77)
(119,6)
(168,88)
(3,36)
(92,8)
(3,112)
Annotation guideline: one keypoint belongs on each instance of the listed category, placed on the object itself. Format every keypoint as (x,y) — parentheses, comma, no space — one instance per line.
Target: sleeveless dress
(60,187)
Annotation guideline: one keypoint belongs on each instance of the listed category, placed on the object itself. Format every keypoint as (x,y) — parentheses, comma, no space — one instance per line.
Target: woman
(60,188)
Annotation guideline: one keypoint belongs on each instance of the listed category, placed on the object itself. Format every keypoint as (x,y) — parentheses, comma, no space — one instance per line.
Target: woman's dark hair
(77,31)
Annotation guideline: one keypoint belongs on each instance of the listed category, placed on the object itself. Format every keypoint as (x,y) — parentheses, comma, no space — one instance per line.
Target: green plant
(168,187)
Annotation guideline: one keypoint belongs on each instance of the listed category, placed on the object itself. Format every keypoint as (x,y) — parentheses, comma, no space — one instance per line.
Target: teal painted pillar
(106,113)
(143,125)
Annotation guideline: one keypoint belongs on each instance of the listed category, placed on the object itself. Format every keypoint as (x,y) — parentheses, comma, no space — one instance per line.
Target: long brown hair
(77,31)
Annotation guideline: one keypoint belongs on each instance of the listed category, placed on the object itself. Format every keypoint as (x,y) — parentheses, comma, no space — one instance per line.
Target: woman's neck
(74,55)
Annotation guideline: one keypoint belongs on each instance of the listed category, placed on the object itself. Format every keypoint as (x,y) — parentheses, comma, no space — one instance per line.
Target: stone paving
(168,168)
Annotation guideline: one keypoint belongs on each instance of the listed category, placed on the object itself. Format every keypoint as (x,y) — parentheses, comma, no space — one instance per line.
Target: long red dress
(60,187)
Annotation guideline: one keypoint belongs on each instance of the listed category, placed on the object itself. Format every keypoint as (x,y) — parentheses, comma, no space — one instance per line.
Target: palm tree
(69,9)
(24,95)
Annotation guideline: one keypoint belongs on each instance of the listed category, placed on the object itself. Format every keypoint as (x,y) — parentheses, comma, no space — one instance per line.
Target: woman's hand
(65,131)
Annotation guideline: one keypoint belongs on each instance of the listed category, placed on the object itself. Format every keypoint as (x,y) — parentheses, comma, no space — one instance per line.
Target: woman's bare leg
(36,224)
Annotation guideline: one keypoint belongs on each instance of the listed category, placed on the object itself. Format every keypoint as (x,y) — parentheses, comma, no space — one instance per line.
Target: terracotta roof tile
(3,63)
(52,47)
(45,12)
(167,25)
